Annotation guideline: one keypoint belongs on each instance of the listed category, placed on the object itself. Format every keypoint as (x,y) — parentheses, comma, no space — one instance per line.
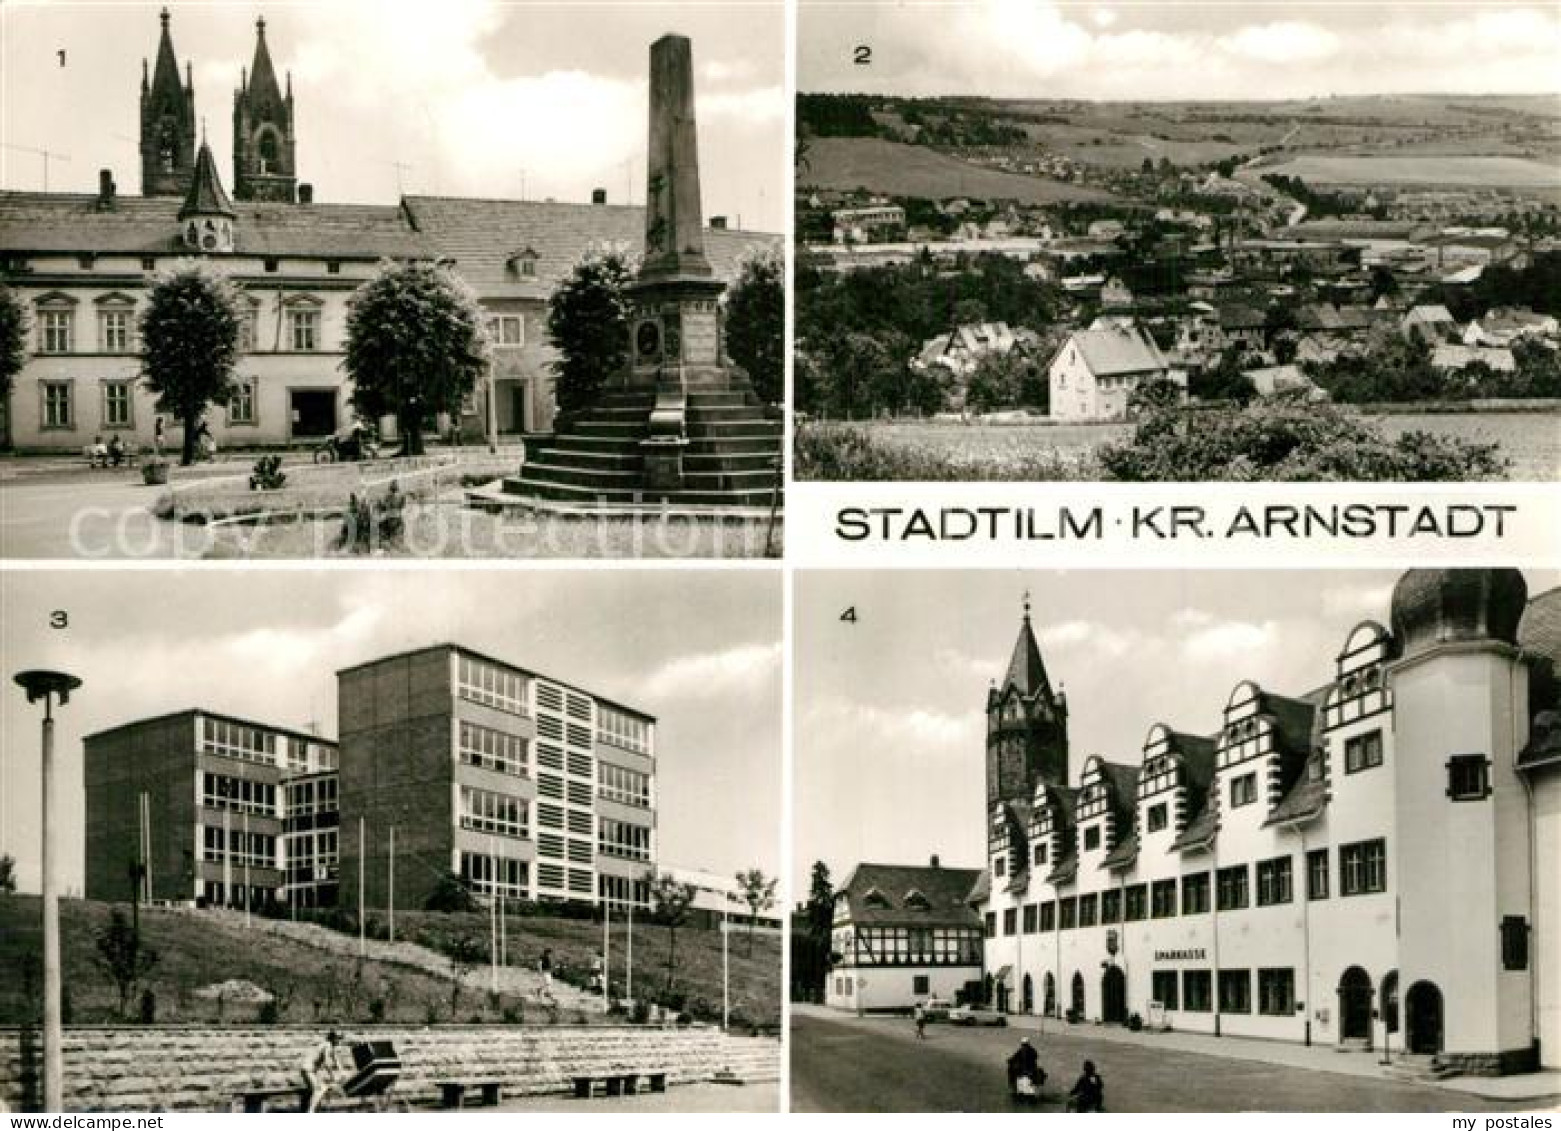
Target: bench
(452,1093)
(255,1099)
(619,1084)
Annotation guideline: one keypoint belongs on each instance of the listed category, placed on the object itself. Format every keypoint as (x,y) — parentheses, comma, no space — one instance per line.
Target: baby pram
(377,1068)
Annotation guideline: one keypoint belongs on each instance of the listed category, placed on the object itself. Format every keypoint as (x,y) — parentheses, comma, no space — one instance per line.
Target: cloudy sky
(889,732)
(700,650)
(479,98)
(1157,49)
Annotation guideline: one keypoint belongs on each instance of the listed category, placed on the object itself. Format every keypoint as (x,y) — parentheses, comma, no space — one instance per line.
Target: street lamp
(50,686)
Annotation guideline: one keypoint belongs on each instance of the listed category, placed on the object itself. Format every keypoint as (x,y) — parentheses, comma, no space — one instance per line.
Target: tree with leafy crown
(588,321)
(189,344)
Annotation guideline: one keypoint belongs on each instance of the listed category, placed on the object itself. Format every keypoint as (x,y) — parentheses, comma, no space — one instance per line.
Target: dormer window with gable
(916,901)
(875,899)
(522,264)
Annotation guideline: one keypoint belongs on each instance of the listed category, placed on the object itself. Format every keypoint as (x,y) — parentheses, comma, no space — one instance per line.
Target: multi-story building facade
(83,263)
(525,786)
(1371,861)
(217,810)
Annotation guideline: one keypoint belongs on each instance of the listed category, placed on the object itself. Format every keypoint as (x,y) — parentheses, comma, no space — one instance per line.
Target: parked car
(936,1009)
(970,1015)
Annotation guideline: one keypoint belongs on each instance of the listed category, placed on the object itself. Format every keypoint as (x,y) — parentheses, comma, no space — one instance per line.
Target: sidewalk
(1318,1058)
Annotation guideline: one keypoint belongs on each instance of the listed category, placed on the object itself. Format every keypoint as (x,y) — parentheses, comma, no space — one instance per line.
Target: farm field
(1462,171)
(912,170)
(1532,441)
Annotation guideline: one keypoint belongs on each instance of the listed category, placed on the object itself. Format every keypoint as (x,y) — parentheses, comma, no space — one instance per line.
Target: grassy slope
(755,980)
(197,951)
(914,170)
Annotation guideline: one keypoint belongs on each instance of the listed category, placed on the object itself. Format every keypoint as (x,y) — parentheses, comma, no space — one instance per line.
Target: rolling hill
(897,169)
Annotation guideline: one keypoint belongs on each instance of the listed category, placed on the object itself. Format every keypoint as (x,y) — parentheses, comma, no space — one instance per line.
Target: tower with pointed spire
(264,167)
(1026,725)
(167,122)
(206,217)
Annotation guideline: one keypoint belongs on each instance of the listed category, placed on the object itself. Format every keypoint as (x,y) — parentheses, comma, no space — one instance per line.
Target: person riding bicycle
(1025,1064)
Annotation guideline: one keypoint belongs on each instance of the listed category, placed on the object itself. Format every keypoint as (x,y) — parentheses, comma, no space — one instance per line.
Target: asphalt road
(877,1064)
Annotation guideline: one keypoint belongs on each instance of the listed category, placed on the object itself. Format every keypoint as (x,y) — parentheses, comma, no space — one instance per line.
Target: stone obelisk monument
(676,338)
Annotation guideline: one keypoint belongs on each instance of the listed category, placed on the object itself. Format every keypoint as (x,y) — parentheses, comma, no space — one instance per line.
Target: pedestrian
(322,1070)
(919,1015)
(205,442)
(1024,1064)
(97,452)
(158,436)
(1089,1091)
(116,450)
(545,966)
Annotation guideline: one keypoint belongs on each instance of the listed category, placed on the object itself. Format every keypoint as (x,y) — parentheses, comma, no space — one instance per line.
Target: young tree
(588,320)
(756,323)
(123,956)
(13,338)
(189,343)
(758,892)
(416,345)
(670,901)
(465,953)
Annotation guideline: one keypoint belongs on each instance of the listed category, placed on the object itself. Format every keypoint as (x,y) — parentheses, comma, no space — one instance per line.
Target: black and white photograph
(1135,841)
(386,841)
(1268,241)
(475,280)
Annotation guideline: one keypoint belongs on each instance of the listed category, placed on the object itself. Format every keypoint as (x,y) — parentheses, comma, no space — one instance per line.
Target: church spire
(167,121)
(206,217)
(264,167)
(1026,671)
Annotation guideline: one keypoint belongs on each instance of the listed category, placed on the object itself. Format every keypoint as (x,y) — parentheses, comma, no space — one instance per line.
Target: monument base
(662,467)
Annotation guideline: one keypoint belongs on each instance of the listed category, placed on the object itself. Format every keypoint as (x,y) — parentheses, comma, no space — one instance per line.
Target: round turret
(1443,606)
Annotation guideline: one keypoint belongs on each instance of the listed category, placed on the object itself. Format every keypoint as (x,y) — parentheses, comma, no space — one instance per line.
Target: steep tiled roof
(206,196)
(1066,869)
(946,890)
(73,223)
(1236,317)
(483,235)
(1026,672)
(1118,350)
(1306,799)
(1204,823)
(1124,853)
(1539,635)
(1544,743)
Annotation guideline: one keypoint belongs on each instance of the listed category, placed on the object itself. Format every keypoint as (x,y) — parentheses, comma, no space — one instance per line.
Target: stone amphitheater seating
(157,1069)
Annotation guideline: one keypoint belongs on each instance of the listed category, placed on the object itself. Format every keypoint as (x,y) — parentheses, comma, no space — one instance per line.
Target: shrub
(267,474)
(1285,439)
(851,453)
(377,1010)
(1135,1023)
(373,524)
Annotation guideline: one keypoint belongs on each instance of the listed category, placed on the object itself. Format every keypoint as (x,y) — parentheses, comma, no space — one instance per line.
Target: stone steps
(151,1069)
(523,485)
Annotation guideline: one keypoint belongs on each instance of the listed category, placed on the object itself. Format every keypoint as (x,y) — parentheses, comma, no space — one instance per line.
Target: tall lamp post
(51,687)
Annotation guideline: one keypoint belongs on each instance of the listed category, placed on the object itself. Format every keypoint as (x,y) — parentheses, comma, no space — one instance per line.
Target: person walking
(322,1070)
(1089,1091)
(159,437)
(545,967)
(919,1015)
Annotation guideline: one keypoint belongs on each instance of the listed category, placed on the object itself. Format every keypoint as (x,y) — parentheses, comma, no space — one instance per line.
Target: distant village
(1226,281)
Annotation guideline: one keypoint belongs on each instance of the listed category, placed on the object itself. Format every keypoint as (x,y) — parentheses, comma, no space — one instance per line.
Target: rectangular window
(1235,991)
(493,750)
(1000,866)
(1028,918)
(1088,910)
(1196,996)
(1195,894)
(56,331)
(1010,921)
(1232,888)
(1137,902)
(1363,752)
(991,924)
(508,331)
(1514,942)
(619,838)
(1317,874)
(235,740)
(1273,881)
(1468,777)
(1040,853)
(1092,837)
(484,811)
(1243,790)
(114,331)
(116,404)
(491,685)
(241,405)
(1276,992)
(1157,818)
(1069,913)
(1363,867)
(304,330)
(627,787)
(56,398)
(1162,988)
(499,875)
(1162,899)
(625,731)
(1111,906)
(248,319)
(921,984)
(1048,917)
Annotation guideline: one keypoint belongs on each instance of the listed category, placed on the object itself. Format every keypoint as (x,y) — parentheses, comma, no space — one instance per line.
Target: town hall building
(1367,863)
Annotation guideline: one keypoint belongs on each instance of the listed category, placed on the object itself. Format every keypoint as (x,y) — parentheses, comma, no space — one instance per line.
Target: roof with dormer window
(943,892)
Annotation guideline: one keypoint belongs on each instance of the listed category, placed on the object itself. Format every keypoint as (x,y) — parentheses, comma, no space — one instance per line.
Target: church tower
(206,217)
(263,161)
(1026,725)
(167,123)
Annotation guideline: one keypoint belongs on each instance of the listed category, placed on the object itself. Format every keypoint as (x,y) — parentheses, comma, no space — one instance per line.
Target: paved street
(761,1097)
(842,1063)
